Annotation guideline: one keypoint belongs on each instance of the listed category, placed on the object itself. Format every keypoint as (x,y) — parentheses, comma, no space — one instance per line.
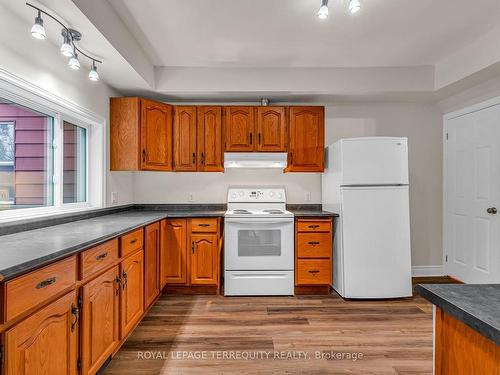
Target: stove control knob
(271,194)
(240,193)
(233,195)
(280,195)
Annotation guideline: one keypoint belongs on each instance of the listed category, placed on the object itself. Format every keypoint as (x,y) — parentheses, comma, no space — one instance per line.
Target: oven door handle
(259,221)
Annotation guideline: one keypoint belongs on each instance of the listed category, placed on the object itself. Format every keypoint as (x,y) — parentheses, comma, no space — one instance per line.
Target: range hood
(255,160)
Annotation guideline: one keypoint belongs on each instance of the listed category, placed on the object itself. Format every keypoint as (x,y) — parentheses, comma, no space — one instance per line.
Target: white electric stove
(258,243)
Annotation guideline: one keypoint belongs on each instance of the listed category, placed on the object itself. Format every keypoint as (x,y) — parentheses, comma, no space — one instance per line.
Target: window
(26,157)
(47,145)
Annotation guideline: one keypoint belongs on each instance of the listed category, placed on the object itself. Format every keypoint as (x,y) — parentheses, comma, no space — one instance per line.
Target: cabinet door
(239,128)
(132,296)
(204,258)
(100,320)
(307,143)
(271,129)
(46,342)
(151,263)
(185,139)
(175,250)
(210,139)
(156,136)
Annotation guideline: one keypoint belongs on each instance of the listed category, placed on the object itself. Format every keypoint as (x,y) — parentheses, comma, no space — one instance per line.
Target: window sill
(11,216)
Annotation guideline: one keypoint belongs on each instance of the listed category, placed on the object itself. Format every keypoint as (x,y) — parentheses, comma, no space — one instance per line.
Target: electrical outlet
(114,197)
(4,195)
(308,196)
(190,197)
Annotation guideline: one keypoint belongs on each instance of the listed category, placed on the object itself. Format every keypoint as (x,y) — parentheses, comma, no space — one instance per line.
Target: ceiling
(287,33)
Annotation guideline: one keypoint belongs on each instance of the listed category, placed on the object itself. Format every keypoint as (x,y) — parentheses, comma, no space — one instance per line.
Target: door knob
(492,210)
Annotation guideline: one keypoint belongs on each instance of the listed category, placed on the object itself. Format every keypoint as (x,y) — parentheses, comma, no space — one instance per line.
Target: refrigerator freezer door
(374,161)
(376,242)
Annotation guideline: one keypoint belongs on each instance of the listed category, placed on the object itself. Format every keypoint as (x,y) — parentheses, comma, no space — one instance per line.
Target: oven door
(258,244)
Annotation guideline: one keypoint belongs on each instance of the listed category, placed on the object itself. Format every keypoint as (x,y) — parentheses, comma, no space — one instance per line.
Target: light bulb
(66,47)
(354,6)
(37,30)
(323,12)
(73,62)
(93,75)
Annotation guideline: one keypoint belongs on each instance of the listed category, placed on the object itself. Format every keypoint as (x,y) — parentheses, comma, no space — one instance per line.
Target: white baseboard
(417,271)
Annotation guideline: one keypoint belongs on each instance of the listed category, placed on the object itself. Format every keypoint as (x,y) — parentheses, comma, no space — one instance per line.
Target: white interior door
(472,189)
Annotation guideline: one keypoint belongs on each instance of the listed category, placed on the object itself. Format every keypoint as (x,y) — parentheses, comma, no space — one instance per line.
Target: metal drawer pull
(313,271)
(124,275)
(203,225)
(313,243)
(44,283)
(118,281)
(133,241)
(314,226)
(75,311)
(101,256)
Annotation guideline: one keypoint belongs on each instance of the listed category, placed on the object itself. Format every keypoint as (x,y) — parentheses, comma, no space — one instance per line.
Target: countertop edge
(484,328)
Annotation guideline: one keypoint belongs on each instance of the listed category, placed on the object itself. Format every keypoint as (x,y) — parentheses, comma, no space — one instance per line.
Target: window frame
(23,93)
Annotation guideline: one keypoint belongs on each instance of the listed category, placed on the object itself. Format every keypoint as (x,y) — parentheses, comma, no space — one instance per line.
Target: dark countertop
(313,213)
(478,306)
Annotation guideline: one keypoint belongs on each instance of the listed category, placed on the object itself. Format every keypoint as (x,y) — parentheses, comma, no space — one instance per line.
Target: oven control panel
(248,195)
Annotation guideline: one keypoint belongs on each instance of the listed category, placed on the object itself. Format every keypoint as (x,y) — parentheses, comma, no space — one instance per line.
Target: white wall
(40,63)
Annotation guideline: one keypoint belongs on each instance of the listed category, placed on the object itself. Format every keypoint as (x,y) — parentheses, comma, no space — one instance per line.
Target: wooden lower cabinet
(204,259)
(191,249)
(313,255)
(151,263)
(100,320)
(46,342)
(132,293)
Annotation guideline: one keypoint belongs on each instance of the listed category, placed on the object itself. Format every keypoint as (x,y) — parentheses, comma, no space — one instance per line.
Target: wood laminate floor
(227,333)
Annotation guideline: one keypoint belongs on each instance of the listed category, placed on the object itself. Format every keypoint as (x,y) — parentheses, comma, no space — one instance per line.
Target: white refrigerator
(366,182)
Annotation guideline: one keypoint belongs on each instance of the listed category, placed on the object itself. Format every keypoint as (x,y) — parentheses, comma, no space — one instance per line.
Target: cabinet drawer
(204,225)
(313,272)
(34,288)
(98,258)
(314,225)
(314,245)
(131,242)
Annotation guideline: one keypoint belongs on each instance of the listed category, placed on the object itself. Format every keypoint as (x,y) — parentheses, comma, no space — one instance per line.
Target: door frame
(446,118)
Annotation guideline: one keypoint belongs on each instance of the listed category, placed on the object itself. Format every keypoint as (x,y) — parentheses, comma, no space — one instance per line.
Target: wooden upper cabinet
(307,139)
(204,258)
(210,139)
(271,129)
(132,295)
(174,248)
(100,333)
(151,263)
(46,342)
(239,129)
(140,135)
(156,136)
(185,138)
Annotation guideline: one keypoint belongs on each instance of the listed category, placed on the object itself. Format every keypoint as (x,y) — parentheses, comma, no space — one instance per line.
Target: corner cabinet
(151,263)
(140,135)
(307,139)
(46,342)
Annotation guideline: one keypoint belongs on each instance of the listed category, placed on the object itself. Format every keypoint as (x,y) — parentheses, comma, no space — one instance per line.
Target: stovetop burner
(274,212)
(240,211)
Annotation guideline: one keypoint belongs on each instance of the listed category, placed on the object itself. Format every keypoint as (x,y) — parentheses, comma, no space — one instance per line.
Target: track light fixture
(323,10)
(354,7)
(68,47)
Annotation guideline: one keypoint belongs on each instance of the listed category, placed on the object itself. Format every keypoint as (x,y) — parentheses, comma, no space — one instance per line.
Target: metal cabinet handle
(492,210)
(291,158)
(203,225)
(75,311)
(118,281)
(313,243)
(133,241)
(202,158)
(313,271)
(251,138)
(45,283)
(194,158)
(101,256)
(192,246)
(143,154)
(259,138)
(314,226)
(125,279)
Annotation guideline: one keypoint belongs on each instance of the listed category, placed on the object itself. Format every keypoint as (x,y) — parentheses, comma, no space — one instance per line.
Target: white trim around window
(21,92)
